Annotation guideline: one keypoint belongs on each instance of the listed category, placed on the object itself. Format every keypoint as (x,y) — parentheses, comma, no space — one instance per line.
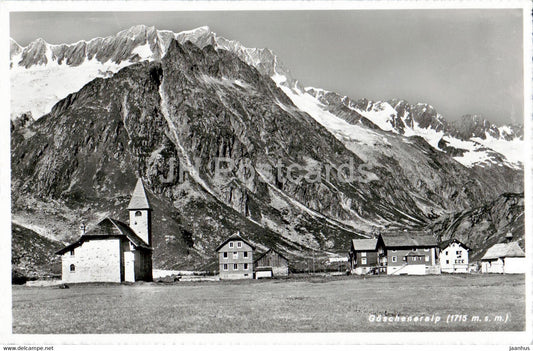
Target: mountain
(472,140)
(42,74)
(186,100)
(32,255)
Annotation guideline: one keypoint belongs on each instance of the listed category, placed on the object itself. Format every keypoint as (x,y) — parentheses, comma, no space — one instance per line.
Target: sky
(459,61)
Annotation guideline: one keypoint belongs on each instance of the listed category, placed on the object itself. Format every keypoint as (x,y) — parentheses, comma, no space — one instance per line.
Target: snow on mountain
(472,141)
(42,74)
(341,129)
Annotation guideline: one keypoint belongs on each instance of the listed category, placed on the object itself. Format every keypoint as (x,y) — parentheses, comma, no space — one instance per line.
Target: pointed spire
(139,200)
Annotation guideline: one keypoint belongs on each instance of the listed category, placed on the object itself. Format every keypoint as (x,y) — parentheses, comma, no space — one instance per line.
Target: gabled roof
(408,240)
(232,238)
(365,244)
(270,250)
(139,200)
(106,229)
(444,244)
(511,249)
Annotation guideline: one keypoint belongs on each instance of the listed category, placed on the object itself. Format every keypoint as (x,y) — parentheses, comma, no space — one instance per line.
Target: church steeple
(141,213)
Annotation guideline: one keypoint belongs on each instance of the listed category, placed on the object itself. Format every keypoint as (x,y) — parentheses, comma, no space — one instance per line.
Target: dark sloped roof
(408,240)
(139,200)
(444,244)
(504,250)
(108,228)
(364,244)
(234,237)
(269,250)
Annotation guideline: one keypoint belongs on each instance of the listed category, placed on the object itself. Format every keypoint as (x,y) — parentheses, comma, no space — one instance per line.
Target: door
(129,266)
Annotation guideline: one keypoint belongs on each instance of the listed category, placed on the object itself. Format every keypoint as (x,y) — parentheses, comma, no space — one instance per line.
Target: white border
(434,338)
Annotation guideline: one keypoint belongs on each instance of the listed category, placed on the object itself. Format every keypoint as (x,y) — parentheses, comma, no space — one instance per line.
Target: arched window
(138,214)
(72,268)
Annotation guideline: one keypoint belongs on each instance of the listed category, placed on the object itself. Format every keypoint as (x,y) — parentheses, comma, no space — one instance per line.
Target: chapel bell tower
(141,213)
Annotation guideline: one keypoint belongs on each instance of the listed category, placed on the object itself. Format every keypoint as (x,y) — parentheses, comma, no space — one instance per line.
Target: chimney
(82,228)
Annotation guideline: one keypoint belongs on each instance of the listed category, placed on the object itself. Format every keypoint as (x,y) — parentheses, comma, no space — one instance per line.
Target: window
(239,244)
(225,267)
(458,253)
(394,259)
(138,214)
(235,266)
(404,258)
(446,253)
(414,249)
(72,252)
(447,261)
(235,255)
(363,254)
(245,254)
(231,244)
(363,260)
(225,255)
(72,268)
(246,266)
(427,258)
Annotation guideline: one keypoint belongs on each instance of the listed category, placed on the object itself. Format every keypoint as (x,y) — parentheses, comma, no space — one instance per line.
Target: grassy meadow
(303,304)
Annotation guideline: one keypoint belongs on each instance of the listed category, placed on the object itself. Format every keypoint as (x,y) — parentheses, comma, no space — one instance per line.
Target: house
(504,258)
(271,264)
(367,255)
(235,257)
(453,256)
(113,251)
(413,254)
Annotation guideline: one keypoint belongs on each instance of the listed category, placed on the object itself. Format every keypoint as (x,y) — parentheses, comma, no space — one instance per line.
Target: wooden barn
(368,255)
(271,264)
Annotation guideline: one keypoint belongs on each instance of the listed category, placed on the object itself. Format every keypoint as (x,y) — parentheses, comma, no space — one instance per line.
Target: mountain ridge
(101,57)
(204,102)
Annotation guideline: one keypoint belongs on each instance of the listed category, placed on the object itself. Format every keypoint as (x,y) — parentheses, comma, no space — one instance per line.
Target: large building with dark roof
(411,253)
(113,251)
(395,254)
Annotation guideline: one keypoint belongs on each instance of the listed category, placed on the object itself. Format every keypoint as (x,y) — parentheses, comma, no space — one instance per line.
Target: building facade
(508,258)
(235,257)
(271,262)
(411,254)
(367,255)
(453,257)
(112,251)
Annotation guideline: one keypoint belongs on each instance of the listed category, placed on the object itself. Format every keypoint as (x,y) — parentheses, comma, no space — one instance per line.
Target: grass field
(342,304)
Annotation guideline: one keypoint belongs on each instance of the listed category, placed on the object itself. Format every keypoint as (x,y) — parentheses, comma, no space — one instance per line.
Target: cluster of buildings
(114,251)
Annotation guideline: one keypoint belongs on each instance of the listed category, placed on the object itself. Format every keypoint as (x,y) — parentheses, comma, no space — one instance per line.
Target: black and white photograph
(307,170)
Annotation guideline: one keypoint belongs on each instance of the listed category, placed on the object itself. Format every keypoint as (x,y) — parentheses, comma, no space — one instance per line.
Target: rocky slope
(484,226)
(160,118)
(32,255)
